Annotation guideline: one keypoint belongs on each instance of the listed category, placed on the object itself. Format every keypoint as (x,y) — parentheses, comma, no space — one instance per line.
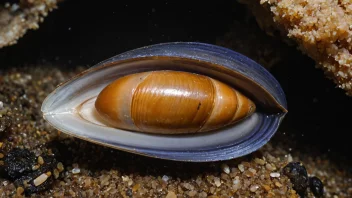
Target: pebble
(236,183)
(241,167)
(19,190)
(259,161)
(298,176)
(225,168)
(165,178)
(104,180)
(125,178)
(56,173)
(129,192)
(60,167)
(87,182)
(35,167)
(136,187)
(236,180)
(252,170)
(1,105)
(72,193)
(254,188)
(192,193)
(171,194)
(278,184)
(41,179)
(274,174)
(217,181)
(249,173)
(266,187)
(40,160)
(76,170)
(316,186)
(269,167)
(203,194)
(188,186)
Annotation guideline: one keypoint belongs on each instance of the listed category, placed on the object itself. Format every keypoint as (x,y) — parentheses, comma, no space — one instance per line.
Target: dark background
(87,32)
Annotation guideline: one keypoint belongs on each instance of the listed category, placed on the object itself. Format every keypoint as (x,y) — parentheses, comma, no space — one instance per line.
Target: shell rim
(266,136)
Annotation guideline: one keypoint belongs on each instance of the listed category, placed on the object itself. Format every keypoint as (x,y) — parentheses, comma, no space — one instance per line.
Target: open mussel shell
(64,110)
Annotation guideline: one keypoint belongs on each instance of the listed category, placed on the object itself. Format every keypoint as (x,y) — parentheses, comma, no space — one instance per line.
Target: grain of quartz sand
(92,170)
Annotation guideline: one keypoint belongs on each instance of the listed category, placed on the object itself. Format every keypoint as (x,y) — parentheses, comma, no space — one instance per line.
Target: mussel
(181,101)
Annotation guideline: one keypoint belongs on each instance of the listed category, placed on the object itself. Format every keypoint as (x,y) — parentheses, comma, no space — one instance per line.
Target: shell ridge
(237,106)
(214,91)
(133,102)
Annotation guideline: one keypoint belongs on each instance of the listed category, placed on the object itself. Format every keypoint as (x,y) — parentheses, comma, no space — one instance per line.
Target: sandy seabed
(91,170)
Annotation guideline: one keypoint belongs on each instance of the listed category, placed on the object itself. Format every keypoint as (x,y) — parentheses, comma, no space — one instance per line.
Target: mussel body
(178,101)
(171,102)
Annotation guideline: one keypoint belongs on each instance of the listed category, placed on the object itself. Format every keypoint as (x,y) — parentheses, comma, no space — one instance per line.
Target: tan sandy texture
(17,19)
(321,28)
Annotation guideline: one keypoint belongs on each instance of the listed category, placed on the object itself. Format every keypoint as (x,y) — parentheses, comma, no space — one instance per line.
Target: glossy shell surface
(64,110)
(171,102)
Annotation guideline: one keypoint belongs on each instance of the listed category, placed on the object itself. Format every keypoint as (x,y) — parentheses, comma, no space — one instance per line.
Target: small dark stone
(49,165)
(316,186)
(10,139)
(129,192)
(298,176)
(27,182)
(19,165)
(19,162)
(5,123)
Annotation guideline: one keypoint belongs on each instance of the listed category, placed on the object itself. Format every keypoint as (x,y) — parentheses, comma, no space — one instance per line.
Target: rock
(298,176)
